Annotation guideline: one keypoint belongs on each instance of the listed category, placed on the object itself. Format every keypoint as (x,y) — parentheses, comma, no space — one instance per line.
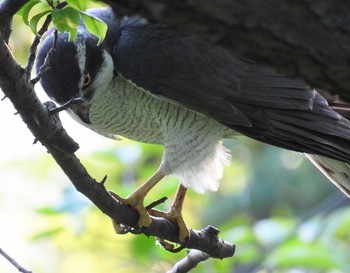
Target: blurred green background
(281,213)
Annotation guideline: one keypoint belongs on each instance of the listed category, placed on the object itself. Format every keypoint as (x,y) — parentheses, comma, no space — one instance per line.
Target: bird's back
(251,99)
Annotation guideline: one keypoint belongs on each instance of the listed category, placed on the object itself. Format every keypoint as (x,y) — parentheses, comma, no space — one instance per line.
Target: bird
(150,83)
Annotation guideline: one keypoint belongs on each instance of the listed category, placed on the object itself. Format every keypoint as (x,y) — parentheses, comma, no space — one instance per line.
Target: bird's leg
(135,200)
(175,213)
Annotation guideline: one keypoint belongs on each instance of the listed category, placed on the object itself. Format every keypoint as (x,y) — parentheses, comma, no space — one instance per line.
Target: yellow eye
(87,80)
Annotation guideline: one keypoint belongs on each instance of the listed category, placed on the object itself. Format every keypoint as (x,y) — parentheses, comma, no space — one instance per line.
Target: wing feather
(249,98)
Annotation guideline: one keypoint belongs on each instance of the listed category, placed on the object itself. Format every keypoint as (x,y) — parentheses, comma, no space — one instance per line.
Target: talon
(135,200)
(171,247)
(136,203)
(175,214)
(166,245)
(120,228)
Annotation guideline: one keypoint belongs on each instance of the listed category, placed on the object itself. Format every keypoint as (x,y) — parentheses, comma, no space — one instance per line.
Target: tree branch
(303,39)
(34,46)
(13,262)
(193,258)
(7,9)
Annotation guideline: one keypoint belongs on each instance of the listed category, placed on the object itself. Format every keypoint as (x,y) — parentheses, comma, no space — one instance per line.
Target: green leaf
(47,233)
(73,34)
(24,11)
(65,19)
(48,211)
(78,4)
(33,24)
(95,26)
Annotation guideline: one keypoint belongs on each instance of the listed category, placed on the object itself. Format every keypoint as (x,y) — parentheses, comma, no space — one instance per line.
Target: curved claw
(136,203)
(135,200)
(171,247)
(174,215)
(119,228)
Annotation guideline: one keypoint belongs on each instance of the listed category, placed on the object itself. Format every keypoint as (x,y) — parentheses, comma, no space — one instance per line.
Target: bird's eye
(87,80)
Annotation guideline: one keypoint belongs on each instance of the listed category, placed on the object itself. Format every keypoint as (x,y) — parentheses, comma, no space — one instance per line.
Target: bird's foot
(174,215)
(136,202)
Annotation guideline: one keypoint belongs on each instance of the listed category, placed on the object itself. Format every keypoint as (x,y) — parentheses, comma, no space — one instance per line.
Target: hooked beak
(80,107)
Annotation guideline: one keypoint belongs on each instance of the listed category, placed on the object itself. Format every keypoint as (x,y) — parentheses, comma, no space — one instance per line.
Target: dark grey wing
(249,98)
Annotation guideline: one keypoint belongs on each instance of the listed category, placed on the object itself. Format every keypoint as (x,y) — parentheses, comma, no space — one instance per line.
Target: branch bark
(193,258)
(7,9)
(303,39)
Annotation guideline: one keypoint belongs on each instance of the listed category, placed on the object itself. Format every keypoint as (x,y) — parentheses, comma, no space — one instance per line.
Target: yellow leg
(135,200)
(175,212)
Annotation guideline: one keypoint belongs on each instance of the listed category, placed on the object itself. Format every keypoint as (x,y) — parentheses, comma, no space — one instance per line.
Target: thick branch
(193,258)
(305,39)
(8,8)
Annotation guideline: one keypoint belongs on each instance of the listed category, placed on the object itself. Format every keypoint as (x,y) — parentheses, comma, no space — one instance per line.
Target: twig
(34,46)
(74,101)
(156,203)
(46,64)
(193,258)
(13,262)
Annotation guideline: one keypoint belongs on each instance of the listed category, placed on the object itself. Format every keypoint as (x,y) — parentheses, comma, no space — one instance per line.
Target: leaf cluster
(66,17)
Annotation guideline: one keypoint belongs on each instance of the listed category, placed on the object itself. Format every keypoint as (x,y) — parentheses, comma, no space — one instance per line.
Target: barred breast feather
(192,142)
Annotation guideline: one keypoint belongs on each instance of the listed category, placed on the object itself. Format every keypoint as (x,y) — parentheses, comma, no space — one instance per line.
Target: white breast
(192,142)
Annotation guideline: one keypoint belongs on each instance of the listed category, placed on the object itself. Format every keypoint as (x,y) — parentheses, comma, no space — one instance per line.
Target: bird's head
(75,69)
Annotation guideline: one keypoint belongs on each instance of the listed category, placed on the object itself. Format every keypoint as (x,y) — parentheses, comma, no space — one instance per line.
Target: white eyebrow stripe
(81,59)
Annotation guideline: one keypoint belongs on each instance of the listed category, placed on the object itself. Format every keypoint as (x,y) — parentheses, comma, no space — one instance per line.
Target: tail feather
(337,172)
